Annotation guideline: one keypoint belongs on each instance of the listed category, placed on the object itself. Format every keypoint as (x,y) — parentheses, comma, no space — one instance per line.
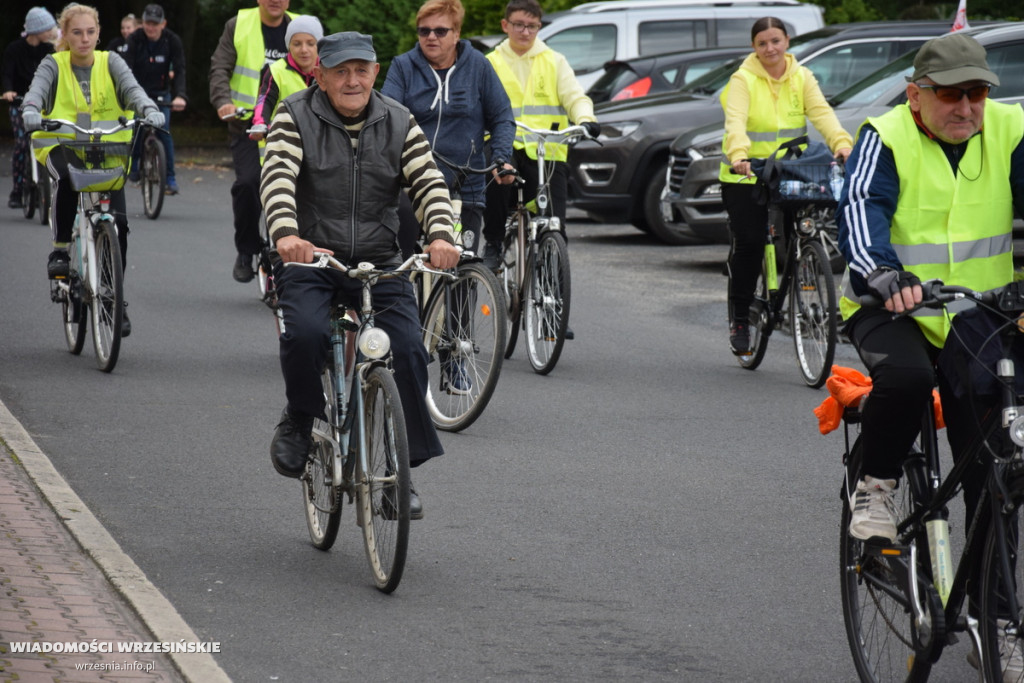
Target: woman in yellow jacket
(767,102)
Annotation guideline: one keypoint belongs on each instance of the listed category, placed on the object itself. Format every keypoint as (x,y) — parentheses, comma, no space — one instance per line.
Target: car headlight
(708,149)
(619,129)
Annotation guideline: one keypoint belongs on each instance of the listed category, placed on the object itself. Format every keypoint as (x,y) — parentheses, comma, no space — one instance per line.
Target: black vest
(347,200)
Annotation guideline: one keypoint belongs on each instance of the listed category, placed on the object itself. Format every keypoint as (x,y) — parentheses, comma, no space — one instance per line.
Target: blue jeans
(164,134)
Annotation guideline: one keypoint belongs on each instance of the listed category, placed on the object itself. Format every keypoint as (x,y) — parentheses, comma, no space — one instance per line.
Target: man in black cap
(316,139)
(157,58)
(930,194)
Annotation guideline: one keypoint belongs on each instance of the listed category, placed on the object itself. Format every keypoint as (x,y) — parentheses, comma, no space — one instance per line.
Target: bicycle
(152,172)
(463,323)
(95,280)
(902,601)
(34,194)
(360,449)
(798,215)
(535,263)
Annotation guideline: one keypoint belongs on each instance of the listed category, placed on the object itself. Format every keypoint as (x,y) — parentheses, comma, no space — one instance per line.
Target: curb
(127,579)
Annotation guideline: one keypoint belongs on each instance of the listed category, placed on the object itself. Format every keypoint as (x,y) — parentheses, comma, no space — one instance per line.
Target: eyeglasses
(950,95)
(424,32)
(524,28)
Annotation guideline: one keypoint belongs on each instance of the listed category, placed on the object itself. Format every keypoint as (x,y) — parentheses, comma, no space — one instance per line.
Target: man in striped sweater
(337,158)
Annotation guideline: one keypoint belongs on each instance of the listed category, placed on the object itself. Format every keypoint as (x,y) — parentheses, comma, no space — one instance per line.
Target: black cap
(153,13)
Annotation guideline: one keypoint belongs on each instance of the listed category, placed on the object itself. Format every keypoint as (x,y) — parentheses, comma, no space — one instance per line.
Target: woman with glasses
(456,97)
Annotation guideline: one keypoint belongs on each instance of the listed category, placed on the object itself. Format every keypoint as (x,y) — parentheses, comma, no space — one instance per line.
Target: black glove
(593,128)
(887,283)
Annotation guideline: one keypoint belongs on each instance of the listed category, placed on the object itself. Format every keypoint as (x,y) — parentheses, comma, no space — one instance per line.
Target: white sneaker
(874,511)
(1011,653)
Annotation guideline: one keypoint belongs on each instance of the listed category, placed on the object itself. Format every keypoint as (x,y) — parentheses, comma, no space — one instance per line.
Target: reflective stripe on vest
(250,56)
(538,106)
(955,229)
(101,111)
(771,119)
(289,82)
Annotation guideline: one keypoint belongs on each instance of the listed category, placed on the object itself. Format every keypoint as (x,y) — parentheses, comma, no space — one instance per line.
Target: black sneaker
(387,504)
(290,446)
(243,271)
(492,255)
(739,338)
(58,265)
(15,201)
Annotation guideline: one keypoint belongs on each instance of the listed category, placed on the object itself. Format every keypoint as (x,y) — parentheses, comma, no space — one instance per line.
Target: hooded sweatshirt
(455,107)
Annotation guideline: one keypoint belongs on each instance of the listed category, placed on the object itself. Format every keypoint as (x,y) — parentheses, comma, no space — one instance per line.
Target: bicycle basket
(799,177)
(96,166)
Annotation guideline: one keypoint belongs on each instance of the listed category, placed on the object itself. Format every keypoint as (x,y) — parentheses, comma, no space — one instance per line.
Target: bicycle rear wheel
(510,285)
(321,495)
(108,300)
(154,175)
(74,312)
(464,333)
(812,313)
(382,491)
(760,319)
(876,609)
(29,197)
(546,305)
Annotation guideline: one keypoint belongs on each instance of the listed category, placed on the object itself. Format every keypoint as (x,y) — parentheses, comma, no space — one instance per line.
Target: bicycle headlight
(374,343)
(1017,430)
(806,226)
(1020,323)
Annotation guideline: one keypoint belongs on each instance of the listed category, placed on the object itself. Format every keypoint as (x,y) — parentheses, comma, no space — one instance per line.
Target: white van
(596,32)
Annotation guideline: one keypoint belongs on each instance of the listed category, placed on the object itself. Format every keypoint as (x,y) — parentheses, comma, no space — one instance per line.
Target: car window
(679,75)
(586,48)
(868,90)
(1007,61)
(669,36)
(839,68)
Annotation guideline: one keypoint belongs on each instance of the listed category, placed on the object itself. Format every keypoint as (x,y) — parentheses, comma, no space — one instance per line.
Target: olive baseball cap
(953,58)
(341,47)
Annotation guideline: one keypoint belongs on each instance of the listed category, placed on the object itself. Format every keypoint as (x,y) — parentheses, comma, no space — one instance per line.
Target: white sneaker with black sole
(874,510)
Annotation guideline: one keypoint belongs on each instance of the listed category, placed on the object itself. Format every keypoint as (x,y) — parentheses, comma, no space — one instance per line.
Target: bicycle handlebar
(239,113)
(123,124)
(936,294)
(365,270)
(576,131)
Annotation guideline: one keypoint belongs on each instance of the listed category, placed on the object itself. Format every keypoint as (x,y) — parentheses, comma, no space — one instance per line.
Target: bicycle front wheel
(464,333)
(1001,592)
(812,313)
(321,495)
(74,312)
(876,610)
(108,299)
(546,306)
(382,490)
(154,176)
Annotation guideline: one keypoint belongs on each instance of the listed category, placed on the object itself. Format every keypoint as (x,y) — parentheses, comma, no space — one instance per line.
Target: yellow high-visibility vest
(288,82)
(251,55)
(537,105)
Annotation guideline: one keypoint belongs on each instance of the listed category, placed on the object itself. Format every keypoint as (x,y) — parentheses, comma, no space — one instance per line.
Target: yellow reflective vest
(771,119)
(250,57)
(102,111)
(288,82)
(956,228)
(537,105)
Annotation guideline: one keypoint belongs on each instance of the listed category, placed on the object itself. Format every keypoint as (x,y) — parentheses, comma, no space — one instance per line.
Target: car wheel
(669,232)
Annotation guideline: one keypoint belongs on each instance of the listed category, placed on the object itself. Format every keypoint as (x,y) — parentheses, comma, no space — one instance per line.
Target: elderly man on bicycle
(930,194)
(317,140)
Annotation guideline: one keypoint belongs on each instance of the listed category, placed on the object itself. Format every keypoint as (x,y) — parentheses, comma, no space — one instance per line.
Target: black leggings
(65,206)
(748,227)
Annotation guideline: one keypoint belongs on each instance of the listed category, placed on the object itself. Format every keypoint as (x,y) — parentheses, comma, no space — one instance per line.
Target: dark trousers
(500,198)
(305,295)
(21,155)
(410,235)
(164,135)
(245,193)
(748,228)
(65,205)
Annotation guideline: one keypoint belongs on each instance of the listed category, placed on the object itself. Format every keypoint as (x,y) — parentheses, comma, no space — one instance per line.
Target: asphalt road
(649,511)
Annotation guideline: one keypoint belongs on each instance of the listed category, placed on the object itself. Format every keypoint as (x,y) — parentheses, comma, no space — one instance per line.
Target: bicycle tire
(512,288)
(812,313)
(107,304)
(546,305)
(469,339)
(995,587)
(74,312)
(28,198)
(879,626)
(382,492)
(154,175)
(760,322)
(321,495)
(44,192)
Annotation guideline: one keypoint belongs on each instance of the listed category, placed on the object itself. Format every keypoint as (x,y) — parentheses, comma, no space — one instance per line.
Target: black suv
(622,178)
(653,74)
(694,194)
